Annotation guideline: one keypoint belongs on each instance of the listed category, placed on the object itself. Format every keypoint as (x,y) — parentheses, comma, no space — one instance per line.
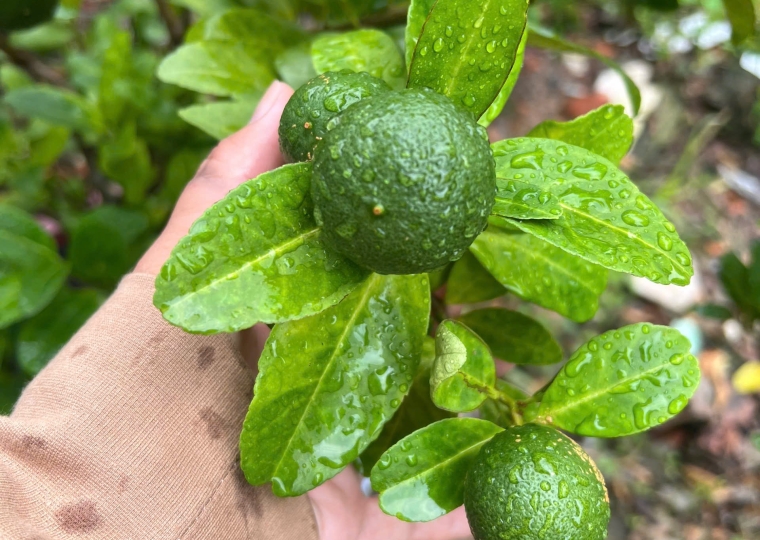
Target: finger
(241,156)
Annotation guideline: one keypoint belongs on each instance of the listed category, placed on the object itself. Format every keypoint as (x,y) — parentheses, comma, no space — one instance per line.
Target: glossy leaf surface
(493,112)
(741,13)
(463,366)
(221,118)
(545,39)
(467,51)
(607,132)
(328,383)
(415,20)
(606,219)
(367,50)
(415,412)
(541,273)
(622,382)
(41,337)
(514,337)
(259,244)
(470,283)
(422,477)
(30,276)
(521,200)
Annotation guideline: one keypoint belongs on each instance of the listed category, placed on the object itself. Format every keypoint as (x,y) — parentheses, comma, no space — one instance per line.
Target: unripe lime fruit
(534,483)
(403,182)
(304,121)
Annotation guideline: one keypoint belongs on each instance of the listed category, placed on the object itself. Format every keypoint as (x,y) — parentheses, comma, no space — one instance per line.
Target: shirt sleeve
(132,432)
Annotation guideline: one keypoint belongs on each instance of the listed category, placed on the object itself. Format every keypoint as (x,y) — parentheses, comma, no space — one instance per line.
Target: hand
(343,512)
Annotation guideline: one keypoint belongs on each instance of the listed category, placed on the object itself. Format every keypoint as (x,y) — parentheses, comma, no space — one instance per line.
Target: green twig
(496,395)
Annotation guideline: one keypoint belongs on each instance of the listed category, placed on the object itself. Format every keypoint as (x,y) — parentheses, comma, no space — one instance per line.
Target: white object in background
(750,61)
(671,297)
(743,183)
(690,329)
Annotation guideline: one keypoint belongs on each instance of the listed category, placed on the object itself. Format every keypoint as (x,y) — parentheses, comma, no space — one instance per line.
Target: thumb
(244,155)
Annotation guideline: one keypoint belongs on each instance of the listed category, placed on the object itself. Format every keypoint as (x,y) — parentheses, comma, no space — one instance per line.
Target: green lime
(403,182)
(534,483)
(313,105)
(20,14)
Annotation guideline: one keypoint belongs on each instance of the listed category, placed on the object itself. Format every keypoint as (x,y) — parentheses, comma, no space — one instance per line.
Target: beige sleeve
(132,432)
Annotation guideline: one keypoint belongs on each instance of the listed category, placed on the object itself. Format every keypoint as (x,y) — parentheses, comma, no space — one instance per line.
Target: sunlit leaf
(367,50)
(467,51)
(422,476)
(328,383)
(470,283)
(605,218)
(607,132)
(545,39)
(514,337)
(259,243)
(541,273)
(622,382)
(463,368)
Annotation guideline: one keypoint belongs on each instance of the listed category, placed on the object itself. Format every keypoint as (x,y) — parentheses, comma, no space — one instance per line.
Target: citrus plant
(393,192)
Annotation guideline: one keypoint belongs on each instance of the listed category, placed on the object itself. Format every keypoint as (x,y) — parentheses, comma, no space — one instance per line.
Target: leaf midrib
(349,325)
(276,250)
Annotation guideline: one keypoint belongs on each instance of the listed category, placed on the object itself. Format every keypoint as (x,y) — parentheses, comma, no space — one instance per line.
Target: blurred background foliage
(108,108)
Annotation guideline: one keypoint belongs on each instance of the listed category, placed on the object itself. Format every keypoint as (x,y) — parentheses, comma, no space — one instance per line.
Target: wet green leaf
(514,337)
(463,368)
(741,13)
(260,242)
(470,283)
(30,276)
(607,132)
(422,476)
(416,411)
(41,337)
(497,412)
(16,221)
(221,118)
(103,244)
(606,219)
(415,21)
(367,50)
(497,106)
(221,68)
(468,51)
(622,382)
(541,273)
(521,200)
(545,39)
(328,383)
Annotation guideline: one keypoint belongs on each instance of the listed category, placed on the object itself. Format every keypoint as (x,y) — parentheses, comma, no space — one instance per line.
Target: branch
(174,24)
(39,71)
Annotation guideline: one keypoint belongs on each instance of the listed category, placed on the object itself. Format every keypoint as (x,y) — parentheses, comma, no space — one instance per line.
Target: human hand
(343,512)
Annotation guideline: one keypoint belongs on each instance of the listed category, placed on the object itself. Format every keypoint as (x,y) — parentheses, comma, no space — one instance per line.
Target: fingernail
(267,101)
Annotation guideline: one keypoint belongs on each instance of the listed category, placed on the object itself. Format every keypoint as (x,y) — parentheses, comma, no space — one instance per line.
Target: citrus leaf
(415,412)
(295,66)
(422,476)
(606,219)
(255,256)
(328,383)
(415,21)
(542,38)
(741,13)
(497,106)
(463,368)
(467,51)
(221,68)
(470,283)
(16,221)
(219,119)
(41,337)
(514,337)
(367,50)
(607,132)
(622,382)
(30,277)
(258,30)
(521,200)
(541,273)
